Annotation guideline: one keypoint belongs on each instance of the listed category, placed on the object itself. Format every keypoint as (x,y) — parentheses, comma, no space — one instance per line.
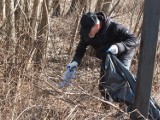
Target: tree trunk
(73,7)
(56,8)
(104,5)
(77,23)
(4,10)
(139,16)
(1,9)
(35,17)
(10,65)
(107,5)
(90,5)
(76,6)
(10,36)
(34,22)
(41,37)
(10,28)
(99,5)
(83,4)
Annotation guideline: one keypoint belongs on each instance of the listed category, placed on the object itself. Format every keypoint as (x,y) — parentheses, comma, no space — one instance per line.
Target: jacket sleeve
(126,40)
(81,49)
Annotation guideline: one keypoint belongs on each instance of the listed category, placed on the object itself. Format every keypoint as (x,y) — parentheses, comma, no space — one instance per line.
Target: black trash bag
(119,83)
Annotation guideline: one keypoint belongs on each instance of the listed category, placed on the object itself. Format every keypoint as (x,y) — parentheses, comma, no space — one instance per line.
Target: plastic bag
(120,84)
(67,77)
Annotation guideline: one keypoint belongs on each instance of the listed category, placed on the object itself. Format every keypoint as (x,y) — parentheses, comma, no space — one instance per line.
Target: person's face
(94,30)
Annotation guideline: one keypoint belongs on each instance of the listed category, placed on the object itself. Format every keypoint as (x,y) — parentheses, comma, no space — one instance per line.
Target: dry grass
(32,95)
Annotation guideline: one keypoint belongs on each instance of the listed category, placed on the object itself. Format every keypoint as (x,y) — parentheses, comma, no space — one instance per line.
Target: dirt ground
(39,96)
(83,91)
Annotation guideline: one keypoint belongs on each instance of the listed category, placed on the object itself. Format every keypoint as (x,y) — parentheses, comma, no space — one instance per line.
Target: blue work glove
(113,49)
(69,74)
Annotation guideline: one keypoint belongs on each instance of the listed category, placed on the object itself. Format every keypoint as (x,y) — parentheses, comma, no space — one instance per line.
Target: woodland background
(37,41)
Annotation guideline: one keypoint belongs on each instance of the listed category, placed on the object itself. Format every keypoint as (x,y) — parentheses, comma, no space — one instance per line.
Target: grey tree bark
(41,36)
(104,5)
(1,9)
(10,31)
(56,8)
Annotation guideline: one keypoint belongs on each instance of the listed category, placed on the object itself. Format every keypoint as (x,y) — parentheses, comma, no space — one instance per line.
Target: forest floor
(85,101)
(39,97)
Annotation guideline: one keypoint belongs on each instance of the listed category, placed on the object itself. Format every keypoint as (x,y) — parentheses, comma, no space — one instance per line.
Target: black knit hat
(88,20)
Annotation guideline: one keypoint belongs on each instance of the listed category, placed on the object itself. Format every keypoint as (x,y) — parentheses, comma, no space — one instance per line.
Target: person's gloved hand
(69,74)
(113,49)
(72,65)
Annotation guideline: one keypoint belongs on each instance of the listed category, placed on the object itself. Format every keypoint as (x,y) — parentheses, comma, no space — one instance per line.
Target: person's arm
(127,40)
(80,50)
(71,67)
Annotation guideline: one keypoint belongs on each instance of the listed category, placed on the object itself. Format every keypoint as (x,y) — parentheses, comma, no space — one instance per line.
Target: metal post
(149,39)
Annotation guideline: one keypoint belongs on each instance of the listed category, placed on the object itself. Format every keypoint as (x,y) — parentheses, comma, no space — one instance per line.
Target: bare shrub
(33,60)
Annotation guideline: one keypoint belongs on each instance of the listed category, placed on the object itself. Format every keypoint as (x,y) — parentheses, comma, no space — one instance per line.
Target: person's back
(110,33)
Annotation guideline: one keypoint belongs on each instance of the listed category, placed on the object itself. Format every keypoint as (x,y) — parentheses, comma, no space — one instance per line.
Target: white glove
(113,49)
(72,65)
(69,74)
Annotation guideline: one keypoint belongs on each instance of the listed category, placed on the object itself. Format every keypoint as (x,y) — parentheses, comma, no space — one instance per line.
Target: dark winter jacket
(109,34)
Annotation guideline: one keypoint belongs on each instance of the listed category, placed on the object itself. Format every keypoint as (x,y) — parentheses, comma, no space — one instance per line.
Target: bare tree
(10,32)
(26,71)
(104,5)
(137,29)
(35,17)
(73,7)
(41,36)
(1,9)
(10,25)
(56,8)
(76,6)
(10,45)
(107,5)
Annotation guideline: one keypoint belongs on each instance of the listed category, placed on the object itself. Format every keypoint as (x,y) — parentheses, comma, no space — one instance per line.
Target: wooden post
(149,40)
